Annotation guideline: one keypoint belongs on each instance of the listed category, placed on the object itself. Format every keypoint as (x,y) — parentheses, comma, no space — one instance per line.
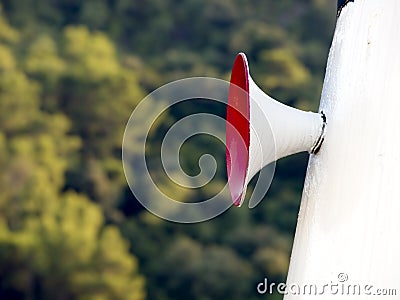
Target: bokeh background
(71,72)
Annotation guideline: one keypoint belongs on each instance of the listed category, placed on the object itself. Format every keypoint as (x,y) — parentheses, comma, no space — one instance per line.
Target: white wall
(349,220)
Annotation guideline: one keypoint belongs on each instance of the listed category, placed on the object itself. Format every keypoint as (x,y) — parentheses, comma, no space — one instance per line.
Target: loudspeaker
(260,130)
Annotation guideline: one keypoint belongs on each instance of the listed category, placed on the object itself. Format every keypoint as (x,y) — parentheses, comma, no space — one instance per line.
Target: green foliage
(71,72)
(53,244)
(43,59)
(65,252)
(7,33)
(289,72)
(89,55)
(186,262)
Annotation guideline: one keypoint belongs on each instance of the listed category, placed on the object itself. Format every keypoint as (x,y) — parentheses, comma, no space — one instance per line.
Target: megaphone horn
(261,130)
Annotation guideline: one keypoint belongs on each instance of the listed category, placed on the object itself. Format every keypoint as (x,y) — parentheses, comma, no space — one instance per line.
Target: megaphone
(261,130)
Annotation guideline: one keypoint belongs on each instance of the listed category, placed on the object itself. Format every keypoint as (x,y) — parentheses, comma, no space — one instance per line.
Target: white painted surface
(349,220)
(272,134)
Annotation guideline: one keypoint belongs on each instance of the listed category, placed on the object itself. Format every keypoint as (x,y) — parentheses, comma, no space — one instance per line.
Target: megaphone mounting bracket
(320,140)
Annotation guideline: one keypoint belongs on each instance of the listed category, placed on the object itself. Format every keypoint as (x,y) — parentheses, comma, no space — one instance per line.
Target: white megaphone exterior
(346,243)
(261,130)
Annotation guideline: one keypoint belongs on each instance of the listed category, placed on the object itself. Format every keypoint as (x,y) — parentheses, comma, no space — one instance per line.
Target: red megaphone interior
(238,129)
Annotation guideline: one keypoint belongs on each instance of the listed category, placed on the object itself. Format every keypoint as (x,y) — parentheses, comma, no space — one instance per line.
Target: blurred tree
(286,71)
(43,59)
(87,69)
(67,253)
(110,93)
(53,244)
(7,33)
(189,270)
